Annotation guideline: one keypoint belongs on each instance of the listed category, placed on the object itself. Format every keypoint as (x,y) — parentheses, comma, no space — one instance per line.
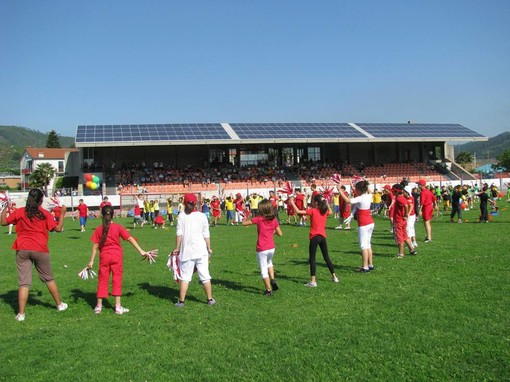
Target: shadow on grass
(162,292)
(88,297)
(321,264)
(11,298)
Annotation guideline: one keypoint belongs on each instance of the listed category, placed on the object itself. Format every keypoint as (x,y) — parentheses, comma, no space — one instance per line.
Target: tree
(464,157)
(42,176)
(53,142)
(503,163)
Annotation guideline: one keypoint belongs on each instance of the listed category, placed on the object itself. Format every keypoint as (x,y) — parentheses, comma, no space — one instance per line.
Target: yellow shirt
(254,202)
(229,205)
(336,199)
(376,197)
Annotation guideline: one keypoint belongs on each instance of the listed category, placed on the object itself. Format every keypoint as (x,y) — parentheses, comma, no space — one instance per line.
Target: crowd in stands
(136,175)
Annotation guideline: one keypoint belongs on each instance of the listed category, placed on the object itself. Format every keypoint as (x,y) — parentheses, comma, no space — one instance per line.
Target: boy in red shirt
(401,213)
(83,212)
(427,201)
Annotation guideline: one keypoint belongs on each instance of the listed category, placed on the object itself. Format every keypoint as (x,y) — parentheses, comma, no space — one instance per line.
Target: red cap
(190,198)
(387,187)
(422,182)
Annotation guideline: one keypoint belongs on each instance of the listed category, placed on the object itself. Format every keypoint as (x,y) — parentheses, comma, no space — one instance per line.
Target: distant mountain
(487,150)
(14,140)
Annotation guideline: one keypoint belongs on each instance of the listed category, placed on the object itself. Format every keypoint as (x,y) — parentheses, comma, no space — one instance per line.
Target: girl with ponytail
(32,224)
(106,239)
(318,215)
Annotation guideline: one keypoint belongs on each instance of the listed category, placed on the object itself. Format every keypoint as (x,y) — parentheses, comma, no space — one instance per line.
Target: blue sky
(68,63)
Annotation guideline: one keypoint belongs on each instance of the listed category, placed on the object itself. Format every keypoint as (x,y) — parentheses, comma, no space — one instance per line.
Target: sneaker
(415,244)
(211,301)
(121,310)
(268,293)
(98,309)
(274,285)
(62,307)
(427,240)
(311,284)
(339,227)
(20,317)
(400,256)
(370,267)
(363,270)
(335,279)
(179,304)
(414,252)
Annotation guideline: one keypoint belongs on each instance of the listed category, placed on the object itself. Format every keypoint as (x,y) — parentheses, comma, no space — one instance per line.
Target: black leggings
(322,243)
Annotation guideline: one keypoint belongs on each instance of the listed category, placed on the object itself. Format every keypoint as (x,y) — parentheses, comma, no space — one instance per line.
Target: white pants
(265,259)
(411,220)
(187,268)
(365,236)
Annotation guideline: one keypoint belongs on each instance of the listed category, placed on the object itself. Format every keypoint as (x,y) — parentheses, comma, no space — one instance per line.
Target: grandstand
(209,157)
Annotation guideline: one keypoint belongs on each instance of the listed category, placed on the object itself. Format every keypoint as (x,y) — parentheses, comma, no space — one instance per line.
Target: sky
(69,63)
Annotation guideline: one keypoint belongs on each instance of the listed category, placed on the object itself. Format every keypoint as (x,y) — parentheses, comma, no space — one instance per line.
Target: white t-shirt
(194,229)
(362,202)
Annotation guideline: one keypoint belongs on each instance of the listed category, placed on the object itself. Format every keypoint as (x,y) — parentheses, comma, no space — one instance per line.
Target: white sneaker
(62,307)
(339,227)
(311,284)
(414,244)
(20,317)
(121,310)
(335,279)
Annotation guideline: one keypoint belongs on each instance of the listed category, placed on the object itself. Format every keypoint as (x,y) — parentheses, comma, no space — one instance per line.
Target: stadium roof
(266,133)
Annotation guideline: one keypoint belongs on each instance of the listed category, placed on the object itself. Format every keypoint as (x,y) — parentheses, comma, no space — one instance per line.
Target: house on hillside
(63,161)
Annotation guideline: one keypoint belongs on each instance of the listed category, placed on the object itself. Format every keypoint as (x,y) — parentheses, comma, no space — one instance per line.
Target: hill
(14,140)
(487,150)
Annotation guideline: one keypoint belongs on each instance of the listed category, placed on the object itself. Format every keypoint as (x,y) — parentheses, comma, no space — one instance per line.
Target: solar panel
(160,132)
(417,130)
(295,131)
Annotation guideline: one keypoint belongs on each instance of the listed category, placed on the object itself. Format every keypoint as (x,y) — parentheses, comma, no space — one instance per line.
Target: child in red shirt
(401,213)
(267,227)
(106,239)
(83,212)
(318,215)
(32,225)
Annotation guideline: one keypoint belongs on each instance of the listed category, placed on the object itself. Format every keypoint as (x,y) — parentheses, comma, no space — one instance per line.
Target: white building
(59,159)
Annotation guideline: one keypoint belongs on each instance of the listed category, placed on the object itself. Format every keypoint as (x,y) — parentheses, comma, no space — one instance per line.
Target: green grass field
(440,316)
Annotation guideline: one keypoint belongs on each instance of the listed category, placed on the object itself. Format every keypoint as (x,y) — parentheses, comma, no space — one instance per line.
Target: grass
(442,315)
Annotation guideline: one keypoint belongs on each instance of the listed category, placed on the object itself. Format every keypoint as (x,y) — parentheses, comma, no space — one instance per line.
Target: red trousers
(109,264)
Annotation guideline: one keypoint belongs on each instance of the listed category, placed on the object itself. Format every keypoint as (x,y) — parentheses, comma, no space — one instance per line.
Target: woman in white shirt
(193,244)
(362,203)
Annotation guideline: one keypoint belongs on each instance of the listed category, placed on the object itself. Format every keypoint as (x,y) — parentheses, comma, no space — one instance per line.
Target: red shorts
(427,212)
(400,231)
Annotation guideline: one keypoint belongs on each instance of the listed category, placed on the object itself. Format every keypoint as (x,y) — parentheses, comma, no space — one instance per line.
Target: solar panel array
(295,130)
(156,132)
(417,130)
(189,132)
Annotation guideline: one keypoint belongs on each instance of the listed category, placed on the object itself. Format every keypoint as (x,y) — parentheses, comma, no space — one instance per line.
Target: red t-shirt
(112,244)
(57,212)
(31,235)
(216,207)
(265,229)
(300,201)
(239,203)
(104,204)
(159,219)
(317,222)
(427,198)
(83,210)
(400,208)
